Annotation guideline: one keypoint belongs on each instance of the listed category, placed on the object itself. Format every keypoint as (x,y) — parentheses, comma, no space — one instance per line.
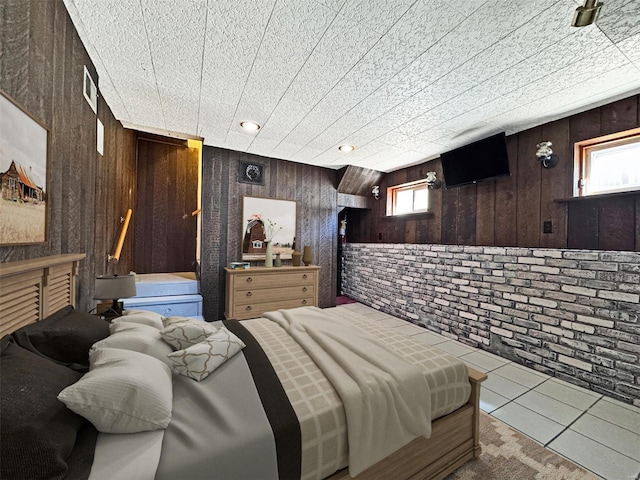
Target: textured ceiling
(402,80)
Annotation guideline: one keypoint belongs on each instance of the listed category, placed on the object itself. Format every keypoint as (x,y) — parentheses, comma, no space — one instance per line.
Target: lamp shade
(112,287)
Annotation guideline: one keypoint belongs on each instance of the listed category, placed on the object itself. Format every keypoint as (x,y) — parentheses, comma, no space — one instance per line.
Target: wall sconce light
(432,182)
(546,156)
(587,14)
(375,191)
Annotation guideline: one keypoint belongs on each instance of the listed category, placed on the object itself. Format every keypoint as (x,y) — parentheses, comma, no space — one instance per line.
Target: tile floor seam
(514,381)
(608,421)
(626,406)
(567,428)
(562,401)
(513,400)
(600,443)
(577,462)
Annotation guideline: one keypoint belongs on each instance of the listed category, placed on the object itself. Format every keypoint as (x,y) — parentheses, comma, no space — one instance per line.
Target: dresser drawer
(273,280)
(256,310)
(260,295)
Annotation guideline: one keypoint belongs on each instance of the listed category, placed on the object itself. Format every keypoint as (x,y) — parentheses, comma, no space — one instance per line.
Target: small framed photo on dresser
(251,172)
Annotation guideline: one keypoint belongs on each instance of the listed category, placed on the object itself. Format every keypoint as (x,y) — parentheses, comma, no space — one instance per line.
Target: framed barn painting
(267,220)
(23,175)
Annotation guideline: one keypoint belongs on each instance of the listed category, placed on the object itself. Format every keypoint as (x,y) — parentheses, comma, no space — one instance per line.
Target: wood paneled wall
(115,194)
(312,187)
(41,67)
(510,211)
(167,193)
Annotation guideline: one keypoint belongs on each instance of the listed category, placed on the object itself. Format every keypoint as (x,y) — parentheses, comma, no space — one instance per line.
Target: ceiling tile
(630,47)
(467,7)
(491,61)
(589,67)
(294,29)
(619,19)
(541,31)
(176,40)
(375,15)
(334,5)
(423,25)
(403,80)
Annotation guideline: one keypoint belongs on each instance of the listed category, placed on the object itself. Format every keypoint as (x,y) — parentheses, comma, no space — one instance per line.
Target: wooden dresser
(256,290)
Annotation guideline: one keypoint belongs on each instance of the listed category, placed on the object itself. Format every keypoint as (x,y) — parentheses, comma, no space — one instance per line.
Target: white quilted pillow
(136,337)
(184,334)
(124,392)
(144,317)
(168,321)
(199,360)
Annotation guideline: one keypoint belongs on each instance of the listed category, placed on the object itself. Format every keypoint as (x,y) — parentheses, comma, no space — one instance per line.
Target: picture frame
(258,212)
(251,172)
(24,180)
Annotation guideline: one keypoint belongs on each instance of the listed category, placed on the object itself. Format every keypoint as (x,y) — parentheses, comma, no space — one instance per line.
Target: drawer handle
(249,294)
(248,307)
(304,302)
(304,289)
(249,279)
(304,275)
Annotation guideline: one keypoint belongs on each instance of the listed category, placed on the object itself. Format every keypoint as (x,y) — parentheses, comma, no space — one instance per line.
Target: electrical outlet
(547,226)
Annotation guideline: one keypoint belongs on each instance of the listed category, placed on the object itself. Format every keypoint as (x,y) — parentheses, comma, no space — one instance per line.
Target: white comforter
(386,399)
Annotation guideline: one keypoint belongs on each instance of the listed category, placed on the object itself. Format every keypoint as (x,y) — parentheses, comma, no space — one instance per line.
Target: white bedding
(314,400)
(386,398)
(132,456)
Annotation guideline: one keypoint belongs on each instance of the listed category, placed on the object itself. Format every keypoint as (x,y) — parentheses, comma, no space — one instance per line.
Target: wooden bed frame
(32,289)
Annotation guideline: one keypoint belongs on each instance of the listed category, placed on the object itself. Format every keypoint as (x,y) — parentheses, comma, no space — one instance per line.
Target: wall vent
(90,91)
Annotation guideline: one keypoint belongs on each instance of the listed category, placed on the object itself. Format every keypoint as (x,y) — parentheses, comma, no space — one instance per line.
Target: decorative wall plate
(251,172)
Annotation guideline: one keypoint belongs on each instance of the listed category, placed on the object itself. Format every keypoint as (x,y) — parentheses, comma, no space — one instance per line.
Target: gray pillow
(37,432)
(64,337)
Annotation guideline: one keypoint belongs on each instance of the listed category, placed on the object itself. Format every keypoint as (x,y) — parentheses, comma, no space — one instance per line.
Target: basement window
(608,164)
(408,198)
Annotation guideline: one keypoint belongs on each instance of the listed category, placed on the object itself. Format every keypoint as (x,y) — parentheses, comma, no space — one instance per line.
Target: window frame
(412,186)
(581,160)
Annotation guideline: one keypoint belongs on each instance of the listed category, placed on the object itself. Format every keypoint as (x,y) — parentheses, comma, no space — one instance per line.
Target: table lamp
(115,287)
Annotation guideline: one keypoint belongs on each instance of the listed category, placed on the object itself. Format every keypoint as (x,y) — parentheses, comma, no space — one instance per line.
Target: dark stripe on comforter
(280,413)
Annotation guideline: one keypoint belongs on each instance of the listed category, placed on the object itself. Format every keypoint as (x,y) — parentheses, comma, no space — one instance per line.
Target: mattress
(317,404)
(169,294)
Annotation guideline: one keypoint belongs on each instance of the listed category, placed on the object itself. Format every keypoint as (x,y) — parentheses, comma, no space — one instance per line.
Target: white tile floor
(599,433)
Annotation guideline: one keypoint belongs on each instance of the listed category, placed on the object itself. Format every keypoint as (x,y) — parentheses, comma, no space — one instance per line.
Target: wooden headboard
(30,290)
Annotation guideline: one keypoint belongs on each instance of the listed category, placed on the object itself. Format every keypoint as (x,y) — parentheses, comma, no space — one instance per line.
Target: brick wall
(573,314)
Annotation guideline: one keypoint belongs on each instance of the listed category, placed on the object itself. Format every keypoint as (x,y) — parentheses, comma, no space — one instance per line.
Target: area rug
(509,455)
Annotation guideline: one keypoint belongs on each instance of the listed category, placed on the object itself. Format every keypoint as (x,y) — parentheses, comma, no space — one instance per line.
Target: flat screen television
(481,160)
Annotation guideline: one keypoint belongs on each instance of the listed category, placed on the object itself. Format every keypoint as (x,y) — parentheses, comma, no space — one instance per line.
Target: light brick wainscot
(573,314)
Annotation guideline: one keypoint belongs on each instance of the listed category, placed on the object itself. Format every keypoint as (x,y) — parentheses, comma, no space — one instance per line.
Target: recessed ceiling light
(251,126)
(346,148)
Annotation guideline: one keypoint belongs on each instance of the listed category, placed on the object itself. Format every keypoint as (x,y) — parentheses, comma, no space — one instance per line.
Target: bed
(253,407)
